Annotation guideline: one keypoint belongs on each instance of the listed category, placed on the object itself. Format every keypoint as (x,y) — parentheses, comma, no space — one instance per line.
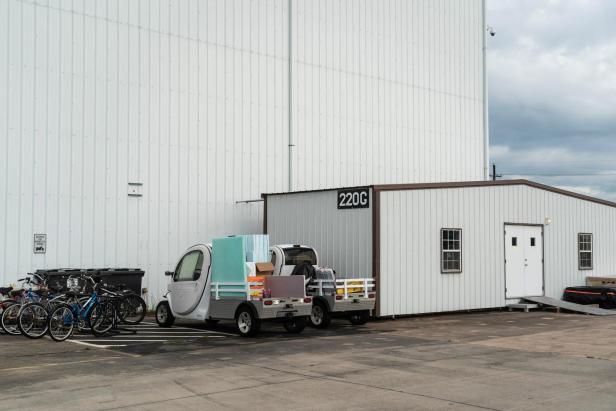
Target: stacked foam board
(257,247)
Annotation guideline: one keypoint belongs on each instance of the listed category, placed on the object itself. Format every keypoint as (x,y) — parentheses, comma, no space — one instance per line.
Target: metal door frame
(542,255)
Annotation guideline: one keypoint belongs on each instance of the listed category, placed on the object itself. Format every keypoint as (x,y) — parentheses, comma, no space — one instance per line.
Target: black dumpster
(605,297)
(128,278)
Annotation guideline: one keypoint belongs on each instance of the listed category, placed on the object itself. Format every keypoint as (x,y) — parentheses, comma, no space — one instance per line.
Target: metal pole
(486,141)
(290,95)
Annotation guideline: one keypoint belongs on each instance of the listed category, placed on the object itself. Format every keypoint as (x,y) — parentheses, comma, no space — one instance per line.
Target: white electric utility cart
(192,296)
(353,298)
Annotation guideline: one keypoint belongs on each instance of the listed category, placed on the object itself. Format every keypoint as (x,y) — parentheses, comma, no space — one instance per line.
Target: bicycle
(91,314)
(27,315)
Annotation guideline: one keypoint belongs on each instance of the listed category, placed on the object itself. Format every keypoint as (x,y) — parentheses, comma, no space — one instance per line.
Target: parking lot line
(25,367)
(188,328)
(122,337)
(97,345)
(82,341)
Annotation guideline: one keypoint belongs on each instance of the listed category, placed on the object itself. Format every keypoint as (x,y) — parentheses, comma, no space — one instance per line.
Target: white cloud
(552,72)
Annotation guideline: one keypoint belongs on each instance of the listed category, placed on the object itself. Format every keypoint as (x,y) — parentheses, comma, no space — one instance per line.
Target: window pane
(532,241)
(585,259)
(514,241)
(188,265)
(299,255)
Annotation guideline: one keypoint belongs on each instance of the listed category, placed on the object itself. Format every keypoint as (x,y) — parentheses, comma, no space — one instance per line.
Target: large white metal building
(452,246)
(130,130)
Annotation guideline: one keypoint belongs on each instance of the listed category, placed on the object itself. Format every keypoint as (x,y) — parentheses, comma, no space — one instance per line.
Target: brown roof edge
(465,184)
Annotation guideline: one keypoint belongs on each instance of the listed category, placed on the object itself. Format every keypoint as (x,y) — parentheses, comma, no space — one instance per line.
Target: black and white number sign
(353,198)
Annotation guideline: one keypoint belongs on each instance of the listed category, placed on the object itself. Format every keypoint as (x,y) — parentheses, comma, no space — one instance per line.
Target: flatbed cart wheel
(319,317)
(164,316)
(359,317)
(248,324)
(295,325)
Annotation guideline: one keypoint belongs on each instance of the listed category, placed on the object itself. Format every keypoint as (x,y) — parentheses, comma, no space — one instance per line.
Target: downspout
(290,95)
(486,124)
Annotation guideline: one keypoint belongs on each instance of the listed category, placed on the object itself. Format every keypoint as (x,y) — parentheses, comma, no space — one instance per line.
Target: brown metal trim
(461,252)
(264,213)
(464,184)
(376,247)
(592,253)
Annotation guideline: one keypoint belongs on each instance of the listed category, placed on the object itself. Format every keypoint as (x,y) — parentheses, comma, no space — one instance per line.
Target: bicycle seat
(5,290)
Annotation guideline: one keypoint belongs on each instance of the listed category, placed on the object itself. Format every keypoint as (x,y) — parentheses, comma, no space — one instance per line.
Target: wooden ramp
(578,308)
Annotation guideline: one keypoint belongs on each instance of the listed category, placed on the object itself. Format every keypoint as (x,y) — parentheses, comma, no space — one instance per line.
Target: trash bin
(130,277)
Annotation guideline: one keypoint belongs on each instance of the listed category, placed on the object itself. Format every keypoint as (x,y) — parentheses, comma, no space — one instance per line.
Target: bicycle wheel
(32,320)
(101,318)
(4,304)
(132,309)
(10,318)
(61,322)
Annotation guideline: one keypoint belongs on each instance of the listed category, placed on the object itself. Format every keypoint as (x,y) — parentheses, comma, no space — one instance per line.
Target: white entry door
(523,261)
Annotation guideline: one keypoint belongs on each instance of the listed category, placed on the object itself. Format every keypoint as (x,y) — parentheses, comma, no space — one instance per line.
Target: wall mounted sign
(350,198)
(40,244)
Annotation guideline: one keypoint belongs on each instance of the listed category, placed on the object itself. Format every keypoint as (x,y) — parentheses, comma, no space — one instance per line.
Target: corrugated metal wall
(387,91)
(189,98)
(186,97)
(411,281)
(343,238)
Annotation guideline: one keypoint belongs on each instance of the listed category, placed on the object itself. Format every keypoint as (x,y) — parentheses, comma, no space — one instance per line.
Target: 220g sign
(353,198)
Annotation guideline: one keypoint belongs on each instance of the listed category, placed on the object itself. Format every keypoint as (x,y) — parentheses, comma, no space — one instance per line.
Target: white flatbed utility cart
(193,296)
(353,298)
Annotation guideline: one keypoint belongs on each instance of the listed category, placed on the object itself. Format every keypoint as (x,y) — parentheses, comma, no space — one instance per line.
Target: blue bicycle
(86,313)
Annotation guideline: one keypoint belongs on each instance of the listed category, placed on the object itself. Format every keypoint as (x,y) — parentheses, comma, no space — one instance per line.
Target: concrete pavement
(494,360)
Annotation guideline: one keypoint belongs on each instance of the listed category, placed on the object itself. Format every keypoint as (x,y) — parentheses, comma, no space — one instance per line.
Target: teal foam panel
(229,260)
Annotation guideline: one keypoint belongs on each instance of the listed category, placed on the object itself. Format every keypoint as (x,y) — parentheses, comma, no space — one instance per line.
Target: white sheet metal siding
(186,97)
(387,92)
(189,98)
(343,238)
(411,220)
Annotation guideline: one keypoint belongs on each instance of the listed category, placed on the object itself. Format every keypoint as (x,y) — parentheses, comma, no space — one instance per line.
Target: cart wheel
(295,325)
(319,316)
(248,324)
(164,316)
(359,317)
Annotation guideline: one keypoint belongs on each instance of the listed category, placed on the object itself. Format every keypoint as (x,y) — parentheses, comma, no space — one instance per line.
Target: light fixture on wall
(548,221)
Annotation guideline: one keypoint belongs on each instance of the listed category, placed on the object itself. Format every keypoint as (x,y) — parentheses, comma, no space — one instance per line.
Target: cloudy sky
(552,74)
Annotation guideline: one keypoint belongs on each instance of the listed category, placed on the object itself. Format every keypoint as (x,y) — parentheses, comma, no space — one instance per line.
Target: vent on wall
(134,189)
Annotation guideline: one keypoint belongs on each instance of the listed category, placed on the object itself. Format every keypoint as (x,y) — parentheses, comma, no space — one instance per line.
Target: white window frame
(453,250)
(590,251)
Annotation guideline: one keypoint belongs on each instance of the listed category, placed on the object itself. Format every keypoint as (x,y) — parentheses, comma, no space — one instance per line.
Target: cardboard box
(601,281)
(264,268)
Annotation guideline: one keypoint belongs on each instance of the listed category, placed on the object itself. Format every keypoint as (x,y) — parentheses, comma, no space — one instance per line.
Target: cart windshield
(299,255)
